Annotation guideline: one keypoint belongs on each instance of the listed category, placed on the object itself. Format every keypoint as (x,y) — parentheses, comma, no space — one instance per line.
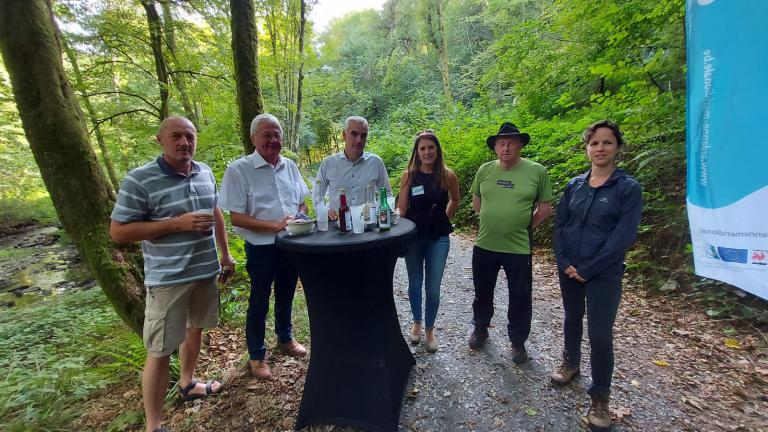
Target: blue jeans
(426,255)
(266,264)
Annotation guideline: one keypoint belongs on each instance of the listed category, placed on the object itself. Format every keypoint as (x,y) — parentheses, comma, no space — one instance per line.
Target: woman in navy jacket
(596,222)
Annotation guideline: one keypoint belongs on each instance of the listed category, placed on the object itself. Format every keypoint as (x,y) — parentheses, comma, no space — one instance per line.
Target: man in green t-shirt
(511,195)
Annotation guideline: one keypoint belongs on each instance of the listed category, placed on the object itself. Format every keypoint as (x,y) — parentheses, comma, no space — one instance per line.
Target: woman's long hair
(415,163)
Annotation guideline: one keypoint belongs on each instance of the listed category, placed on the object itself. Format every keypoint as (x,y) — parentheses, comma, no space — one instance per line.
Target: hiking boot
(478,337)
(599,416)
(431,341)
(260,369)
(519,354)
(564,373)
(293,349)
(415,336)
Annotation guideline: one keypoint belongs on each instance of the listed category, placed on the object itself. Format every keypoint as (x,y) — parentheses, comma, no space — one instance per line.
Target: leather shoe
(293,349)
(478,337)
(519,354)
(260,369)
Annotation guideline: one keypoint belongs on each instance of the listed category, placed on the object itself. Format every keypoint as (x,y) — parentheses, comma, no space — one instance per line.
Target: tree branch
(189,72)
(126,94)
(137,110)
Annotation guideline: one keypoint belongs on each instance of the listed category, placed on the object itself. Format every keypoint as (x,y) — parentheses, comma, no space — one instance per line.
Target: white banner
(727,182)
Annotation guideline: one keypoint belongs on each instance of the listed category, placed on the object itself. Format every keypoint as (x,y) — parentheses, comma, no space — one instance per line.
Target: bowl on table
(298,227)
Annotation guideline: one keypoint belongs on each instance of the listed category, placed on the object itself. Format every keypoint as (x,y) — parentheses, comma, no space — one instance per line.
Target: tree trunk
(271,23)
(156,39)
(438,39)
(178,79)
(91,113)
(297,119)
(244,50)
(57,135)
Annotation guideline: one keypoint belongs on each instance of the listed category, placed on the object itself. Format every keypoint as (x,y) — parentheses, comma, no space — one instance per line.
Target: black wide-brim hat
(507,130)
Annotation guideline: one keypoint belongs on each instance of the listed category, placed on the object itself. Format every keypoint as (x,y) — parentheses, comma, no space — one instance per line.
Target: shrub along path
(676,370)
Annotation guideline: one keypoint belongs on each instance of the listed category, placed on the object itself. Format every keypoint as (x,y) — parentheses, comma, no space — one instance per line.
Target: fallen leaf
(620,412)
(635,383)
(531,411)
(732,343)
(662,363)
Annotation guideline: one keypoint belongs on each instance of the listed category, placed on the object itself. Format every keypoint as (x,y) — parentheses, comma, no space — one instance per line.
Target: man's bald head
(174,120)
(178,137)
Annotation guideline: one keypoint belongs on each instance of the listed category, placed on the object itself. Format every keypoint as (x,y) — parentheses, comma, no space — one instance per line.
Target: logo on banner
(732,255)
(760,257)
(711,252)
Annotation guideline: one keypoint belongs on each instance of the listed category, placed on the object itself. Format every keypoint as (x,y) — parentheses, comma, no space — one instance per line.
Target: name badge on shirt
(417,190)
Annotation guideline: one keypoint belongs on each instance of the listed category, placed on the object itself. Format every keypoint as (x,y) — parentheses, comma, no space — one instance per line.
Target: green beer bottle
(384,216)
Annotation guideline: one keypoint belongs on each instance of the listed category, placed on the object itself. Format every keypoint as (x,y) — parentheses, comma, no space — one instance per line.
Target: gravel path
(459,389)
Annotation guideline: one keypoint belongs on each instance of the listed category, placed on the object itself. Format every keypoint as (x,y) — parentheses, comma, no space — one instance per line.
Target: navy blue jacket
(594,227)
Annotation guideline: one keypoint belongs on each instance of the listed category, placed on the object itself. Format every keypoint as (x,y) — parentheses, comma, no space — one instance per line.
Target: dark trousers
(267,264)
(601,295)
(518,268)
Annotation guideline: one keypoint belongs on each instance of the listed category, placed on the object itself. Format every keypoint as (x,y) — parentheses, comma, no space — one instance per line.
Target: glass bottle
(369,208)
(321,208)
(383,213)
(345,215)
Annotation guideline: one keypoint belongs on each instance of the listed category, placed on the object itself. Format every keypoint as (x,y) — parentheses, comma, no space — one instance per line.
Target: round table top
(334,241)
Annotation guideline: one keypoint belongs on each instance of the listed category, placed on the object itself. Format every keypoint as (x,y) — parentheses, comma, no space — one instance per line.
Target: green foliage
(49,355)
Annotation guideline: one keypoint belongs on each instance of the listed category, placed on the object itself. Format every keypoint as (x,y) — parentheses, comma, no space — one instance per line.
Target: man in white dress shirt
(262,191)
(352,169)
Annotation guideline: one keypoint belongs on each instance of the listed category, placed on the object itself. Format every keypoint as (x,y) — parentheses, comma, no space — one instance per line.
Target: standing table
(359,362)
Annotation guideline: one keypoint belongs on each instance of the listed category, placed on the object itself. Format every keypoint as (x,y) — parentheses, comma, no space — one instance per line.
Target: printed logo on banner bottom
(760,257)
(731,255)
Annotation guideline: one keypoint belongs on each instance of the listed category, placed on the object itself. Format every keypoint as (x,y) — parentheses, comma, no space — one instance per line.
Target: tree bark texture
(245,50)
(156,40)
(56,131)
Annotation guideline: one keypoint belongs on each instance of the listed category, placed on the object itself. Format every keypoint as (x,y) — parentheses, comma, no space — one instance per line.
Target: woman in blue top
(429,196)
(596,222)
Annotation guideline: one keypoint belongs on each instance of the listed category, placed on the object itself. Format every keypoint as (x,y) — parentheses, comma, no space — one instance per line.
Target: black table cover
(360,362)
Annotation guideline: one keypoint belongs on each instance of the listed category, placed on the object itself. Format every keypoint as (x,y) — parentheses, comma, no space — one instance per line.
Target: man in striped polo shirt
(170,205)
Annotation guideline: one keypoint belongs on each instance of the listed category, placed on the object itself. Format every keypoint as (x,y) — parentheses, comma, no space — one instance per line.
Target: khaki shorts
(172,309)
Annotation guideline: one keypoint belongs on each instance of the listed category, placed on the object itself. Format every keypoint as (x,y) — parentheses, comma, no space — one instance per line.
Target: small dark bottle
(345,215)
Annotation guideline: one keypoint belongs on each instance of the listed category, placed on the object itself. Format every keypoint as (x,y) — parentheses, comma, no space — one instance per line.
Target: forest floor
(676,370)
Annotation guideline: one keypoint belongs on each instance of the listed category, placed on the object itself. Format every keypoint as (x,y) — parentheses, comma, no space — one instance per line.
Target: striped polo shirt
(157,192)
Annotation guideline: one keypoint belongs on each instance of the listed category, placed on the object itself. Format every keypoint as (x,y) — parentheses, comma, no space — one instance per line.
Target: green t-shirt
(507,202)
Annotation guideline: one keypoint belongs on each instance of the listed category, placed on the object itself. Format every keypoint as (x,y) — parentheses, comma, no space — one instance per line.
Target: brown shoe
(431,341)
(599,416)
(260,369)
(478,337)
(564,373)
(519,354)
(293,349)
(415,336)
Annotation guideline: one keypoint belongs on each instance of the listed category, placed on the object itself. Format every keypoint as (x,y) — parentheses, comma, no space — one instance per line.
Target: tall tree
(72,57)
(176,76)
(156,40)
(245,52)
(294,139)
(434,18)
(56,131)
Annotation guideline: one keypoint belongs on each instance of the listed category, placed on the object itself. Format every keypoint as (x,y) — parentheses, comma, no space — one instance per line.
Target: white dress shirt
(336,172)
(254,187)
